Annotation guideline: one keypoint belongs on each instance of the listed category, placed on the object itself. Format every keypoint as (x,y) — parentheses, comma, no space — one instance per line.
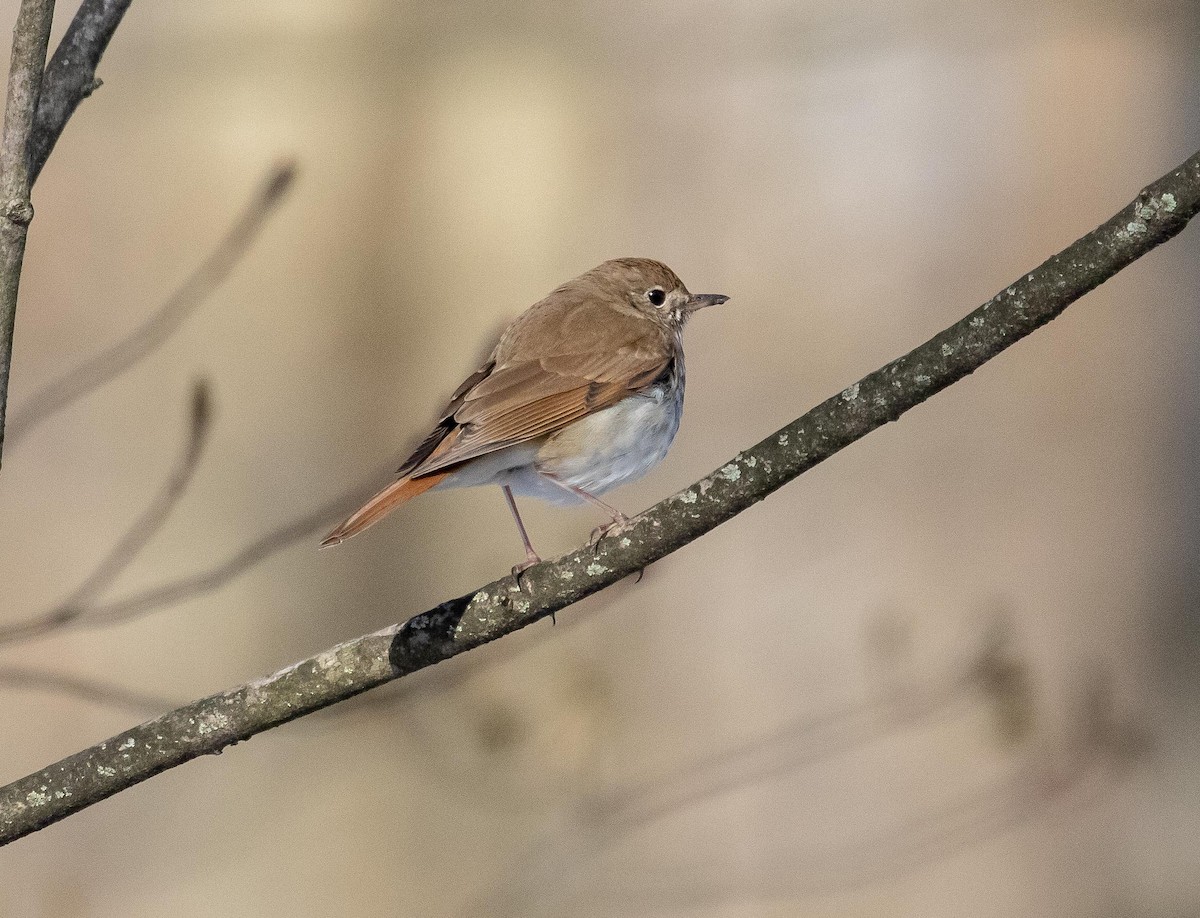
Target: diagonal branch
(82,600)
(183,589)
(209,725)
(71,75)
(41,100)
(30,37)
(81,688)
(115,359)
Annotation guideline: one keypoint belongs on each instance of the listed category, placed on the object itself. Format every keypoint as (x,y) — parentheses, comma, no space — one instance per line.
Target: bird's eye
(656,296)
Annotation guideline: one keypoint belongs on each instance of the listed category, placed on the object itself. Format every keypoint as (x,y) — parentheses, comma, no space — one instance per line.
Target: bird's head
(652,289)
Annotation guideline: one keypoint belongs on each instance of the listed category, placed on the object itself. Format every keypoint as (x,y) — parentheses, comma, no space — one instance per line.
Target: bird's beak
(698,301)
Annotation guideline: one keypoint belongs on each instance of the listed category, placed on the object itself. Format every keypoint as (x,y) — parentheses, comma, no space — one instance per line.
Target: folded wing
(551,368)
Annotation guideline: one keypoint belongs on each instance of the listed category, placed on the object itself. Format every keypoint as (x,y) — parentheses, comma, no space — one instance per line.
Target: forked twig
(130,545)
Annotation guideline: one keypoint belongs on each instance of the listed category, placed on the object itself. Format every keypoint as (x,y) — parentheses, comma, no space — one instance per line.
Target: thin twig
(1046,772)
(76,606)
(30,37)
(190,586)
(166,320)
(79,688)
(924,838)
(607,818)
(95,614)
(799,743)
(207,726)
(71,75)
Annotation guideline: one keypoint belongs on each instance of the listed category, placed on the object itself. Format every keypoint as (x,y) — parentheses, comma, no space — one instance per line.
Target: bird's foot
(531,558)
(620,524)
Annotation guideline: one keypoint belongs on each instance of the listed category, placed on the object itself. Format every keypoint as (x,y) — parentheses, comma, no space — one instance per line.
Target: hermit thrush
(584,392)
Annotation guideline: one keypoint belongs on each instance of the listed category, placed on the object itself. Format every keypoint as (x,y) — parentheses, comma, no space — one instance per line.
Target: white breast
(613,446)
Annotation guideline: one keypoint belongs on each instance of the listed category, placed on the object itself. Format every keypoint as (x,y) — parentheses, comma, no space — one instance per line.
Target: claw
(518,569)
(619,524)
(530,561)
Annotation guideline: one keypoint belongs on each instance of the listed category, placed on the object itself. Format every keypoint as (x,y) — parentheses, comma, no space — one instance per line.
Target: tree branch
(81,688)
(207,726)
(82,600)
(30,37)
(166,319)
(71,76)
(1055,777)
(187,587)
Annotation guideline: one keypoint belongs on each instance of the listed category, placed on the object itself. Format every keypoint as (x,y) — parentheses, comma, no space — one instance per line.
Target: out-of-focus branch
(130,545)
(79,688)
(190,586)
(30,37)
(796,744)
(1075,767)
(166,320)
(93,613)
(207,726)
(1053,777)
(82,605)
(573,849)
(71,75)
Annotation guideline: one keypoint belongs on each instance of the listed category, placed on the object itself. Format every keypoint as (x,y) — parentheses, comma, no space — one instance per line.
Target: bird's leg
(619,519)
(531,556)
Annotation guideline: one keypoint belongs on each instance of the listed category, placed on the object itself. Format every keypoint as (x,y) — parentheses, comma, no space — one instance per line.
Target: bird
(583,393)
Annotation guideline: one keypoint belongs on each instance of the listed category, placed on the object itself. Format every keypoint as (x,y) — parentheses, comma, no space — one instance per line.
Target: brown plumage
(379,506)
(597,342)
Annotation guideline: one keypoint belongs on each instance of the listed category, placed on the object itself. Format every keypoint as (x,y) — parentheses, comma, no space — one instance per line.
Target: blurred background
(951,672)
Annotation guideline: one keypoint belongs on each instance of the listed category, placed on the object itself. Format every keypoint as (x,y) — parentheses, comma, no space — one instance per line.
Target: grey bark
(71,76)
(31,35)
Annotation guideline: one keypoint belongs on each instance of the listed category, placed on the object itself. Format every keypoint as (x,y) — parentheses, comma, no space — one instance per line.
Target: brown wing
(556,364)
(446,422)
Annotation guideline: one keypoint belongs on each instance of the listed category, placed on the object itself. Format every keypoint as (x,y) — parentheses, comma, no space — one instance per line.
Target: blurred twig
(166,319)
(608,818)
(130,545)
(207,726)
(30,38)
(800,742)
(190,586)
(924,838)
(1088,755)
(71,75)
(92,691)
(1049,770)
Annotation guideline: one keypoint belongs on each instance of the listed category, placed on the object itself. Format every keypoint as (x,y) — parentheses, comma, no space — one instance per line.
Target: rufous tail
(381,505)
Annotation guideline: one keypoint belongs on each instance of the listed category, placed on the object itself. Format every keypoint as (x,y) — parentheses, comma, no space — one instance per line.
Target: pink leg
(531,556)
(619,519)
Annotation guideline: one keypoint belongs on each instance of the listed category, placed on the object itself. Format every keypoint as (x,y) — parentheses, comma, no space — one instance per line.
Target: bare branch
(94,614)
(166,320)
(571,850)
(190,586)
(30,37)
(81,689)
(799,743)
(207,726)
(130,545)
(71,76)
(1065,777)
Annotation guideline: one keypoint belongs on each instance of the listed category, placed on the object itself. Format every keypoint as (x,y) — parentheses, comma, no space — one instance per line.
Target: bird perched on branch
(583,393)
